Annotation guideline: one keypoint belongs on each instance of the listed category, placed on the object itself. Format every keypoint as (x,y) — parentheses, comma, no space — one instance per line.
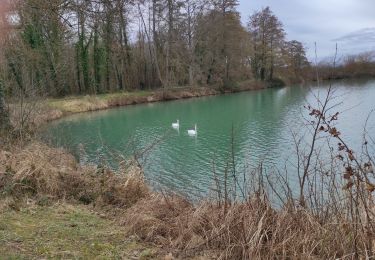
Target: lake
(256,126)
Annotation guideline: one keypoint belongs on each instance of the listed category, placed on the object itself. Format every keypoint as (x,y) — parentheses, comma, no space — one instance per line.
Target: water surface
(257,126)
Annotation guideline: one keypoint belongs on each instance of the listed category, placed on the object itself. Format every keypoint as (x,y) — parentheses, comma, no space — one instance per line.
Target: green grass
(65,231)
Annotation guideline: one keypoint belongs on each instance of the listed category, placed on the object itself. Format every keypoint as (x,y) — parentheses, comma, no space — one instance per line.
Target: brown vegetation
(253,229)
(350,66)
(247,230)
(43,173)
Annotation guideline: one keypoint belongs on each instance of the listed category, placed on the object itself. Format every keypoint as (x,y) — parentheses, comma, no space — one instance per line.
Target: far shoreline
(54,109)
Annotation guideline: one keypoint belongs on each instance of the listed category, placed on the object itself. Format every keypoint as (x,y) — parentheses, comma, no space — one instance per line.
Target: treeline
(348,66)
(64,47)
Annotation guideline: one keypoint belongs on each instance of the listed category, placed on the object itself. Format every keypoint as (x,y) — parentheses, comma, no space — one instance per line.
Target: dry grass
(249,230)
(48,173)
(78,105)
(35,179)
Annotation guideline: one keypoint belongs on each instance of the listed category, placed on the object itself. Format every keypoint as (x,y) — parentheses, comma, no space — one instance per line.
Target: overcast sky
(350,23)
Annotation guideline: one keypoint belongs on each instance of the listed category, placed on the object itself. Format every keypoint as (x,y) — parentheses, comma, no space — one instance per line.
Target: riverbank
(51,206)
(52,109)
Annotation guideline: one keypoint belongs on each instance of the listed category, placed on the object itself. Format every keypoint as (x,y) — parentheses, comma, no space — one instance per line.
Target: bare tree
(267,35)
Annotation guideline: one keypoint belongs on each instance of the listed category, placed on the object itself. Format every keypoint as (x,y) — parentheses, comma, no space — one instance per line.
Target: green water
(262,123)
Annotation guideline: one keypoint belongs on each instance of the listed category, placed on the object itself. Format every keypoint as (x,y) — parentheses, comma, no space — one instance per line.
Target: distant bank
(53,109)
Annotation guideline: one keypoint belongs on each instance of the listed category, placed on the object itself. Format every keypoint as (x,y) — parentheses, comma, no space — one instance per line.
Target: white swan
(193,132)
(176,125)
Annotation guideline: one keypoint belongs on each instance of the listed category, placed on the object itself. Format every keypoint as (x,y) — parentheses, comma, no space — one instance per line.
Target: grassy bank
(52,109)
(53,207)
(65,231)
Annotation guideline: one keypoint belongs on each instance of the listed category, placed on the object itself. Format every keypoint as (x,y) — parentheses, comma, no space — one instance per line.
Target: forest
(66,47)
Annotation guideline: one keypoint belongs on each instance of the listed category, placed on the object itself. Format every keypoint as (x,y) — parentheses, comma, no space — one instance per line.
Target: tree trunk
(97,62)
(169,42)
(4,116)
(190,44)
(151,48)
(108,41)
